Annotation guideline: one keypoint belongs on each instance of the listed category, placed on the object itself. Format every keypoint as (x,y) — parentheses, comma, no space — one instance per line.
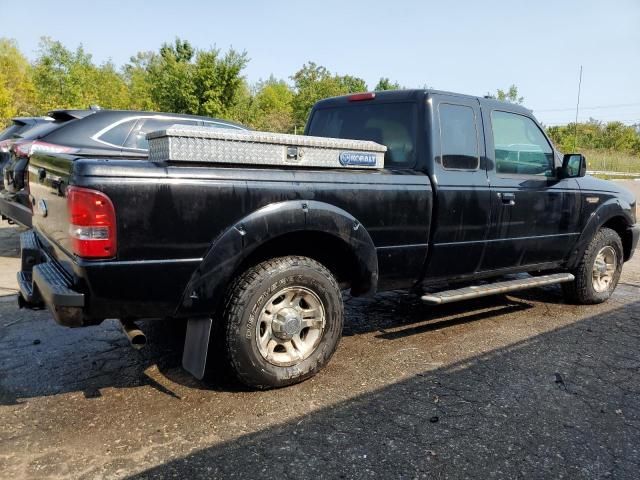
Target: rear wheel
(598,272)
(283,321)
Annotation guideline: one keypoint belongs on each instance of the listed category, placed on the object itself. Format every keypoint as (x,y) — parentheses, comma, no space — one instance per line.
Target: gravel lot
(517,386)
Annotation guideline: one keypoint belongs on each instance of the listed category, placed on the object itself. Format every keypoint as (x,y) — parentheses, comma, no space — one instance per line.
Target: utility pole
(575,139)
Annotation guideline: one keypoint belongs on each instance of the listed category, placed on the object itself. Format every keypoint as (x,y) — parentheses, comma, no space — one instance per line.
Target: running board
(476,291)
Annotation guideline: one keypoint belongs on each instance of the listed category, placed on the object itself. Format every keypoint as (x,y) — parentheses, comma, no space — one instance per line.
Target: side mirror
(574,165)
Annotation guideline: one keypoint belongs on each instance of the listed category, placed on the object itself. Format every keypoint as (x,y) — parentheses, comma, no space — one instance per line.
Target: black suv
(8,136)
(90,132)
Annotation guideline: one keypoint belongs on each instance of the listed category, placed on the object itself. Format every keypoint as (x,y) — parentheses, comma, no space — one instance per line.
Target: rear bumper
(82,292)
(635,236)
(43,281)
(14,211)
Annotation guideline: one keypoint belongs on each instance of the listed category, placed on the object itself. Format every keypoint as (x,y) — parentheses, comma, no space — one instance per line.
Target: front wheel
(283,321)
(599,270)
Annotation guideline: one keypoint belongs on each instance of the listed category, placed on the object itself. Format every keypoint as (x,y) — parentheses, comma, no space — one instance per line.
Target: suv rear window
(39,130)
(390,124)
(138,137)
(10,131)
(118,133)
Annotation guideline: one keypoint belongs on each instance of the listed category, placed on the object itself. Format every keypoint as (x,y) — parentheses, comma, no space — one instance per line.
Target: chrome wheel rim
(604,269)
(290,326)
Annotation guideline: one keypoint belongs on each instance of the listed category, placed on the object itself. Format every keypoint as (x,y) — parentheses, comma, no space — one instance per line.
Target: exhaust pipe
(136,337)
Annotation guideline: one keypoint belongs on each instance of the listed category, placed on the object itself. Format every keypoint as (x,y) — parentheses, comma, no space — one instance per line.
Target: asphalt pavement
(515,386)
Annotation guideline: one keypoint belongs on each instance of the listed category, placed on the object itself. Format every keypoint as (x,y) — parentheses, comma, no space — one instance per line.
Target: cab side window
(520,146)
(458,137)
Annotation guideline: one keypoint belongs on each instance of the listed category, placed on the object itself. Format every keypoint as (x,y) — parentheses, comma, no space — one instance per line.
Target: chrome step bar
(476,291)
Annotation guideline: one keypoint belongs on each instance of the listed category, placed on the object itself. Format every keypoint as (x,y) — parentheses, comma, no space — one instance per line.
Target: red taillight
(26,148)
(4,145)
(92,223)
(359,97)
(22,148)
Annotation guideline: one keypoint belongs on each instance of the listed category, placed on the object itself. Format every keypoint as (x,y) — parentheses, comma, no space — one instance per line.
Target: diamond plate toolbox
(183,143)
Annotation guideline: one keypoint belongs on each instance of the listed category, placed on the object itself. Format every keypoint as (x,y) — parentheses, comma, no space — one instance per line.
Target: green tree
(55,75)
(17,92)
(171,79)
(385,84)
(69,79)
(243,110)
(183,79)
(7,109)
(509,95)
(181,50)
(596,135)
(136,75)
(218,81)
(314,82)
(273,106)
(352,84)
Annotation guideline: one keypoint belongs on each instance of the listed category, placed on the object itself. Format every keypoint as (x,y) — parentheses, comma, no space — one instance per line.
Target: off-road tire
(245,299)
(581,290)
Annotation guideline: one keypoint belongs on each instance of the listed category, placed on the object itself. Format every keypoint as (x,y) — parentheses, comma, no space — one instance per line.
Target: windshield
(390,124)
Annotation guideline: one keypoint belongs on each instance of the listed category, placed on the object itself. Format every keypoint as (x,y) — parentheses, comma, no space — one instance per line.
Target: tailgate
(49,177)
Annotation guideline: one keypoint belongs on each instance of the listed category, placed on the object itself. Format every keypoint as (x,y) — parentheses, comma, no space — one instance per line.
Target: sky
(471,47)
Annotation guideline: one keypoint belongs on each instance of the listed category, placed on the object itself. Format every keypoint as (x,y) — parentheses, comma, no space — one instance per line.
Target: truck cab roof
(418,95)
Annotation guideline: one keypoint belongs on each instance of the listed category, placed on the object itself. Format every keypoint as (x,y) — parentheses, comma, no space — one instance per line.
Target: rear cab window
(391,124)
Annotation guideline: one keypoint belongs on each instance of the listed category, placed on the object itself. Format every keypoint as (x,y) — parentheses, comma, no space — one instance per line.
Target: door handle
(508,199)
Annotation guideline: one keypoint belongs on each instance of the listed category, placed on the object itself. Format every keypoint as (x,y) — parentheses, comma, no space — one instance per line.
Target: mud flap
(196,346)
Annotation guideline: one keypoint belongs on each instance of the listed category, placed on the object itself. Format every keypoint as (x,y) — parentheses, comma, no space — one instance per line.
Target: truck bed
(169,216)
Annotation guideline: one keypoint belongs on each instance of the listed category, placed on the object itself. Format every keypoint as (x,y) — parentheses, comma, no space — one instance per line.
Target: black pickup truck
(472,193)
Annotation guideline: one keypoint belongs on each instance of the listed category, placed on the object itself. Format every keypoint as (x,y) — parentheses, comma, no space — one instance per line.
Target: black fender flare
(613,207)
(209,281)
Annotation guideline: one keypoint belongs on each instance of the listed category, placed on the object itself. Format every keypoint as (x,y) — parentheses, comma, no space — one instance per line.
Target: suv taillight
(25,148)
(92,223)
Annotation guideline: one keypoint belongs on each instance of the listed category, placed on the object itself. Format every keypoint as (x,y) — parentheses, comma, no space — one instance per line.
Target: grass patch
(611,161)
(604,176)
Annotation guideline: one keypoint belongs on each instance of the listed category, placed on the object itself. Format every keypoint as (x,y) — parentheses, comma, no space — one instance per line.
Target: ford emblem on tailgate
(357,158)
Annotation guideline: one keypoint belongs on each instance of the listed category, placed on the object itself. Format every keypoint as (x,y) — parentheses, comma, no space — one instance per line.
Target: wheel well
(619,224)
(329,250)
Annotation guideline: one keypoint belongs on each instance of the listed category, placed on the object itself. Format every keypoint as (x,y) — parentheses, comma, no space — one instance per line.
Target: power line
(606,118)
(598,107)
(629,121)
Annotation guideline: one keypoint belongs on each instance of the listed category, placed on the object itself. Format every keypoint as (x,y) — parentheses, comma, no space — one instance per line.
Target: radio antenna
(575,139)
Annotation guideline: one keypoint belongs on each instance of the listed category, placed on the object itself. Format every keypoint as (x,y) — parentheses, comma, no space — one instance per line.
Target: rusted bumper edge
(635,236)
(42,281)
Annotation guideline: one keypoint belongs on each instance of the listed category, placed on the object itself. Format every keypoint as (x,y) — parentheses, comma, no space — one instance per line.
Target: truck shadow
(558,404)
(399,314)
(40,358)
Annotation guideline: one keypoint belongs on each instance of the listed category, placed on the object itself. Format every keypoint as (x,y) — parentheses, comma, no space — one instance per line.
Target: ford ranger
(472,192)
